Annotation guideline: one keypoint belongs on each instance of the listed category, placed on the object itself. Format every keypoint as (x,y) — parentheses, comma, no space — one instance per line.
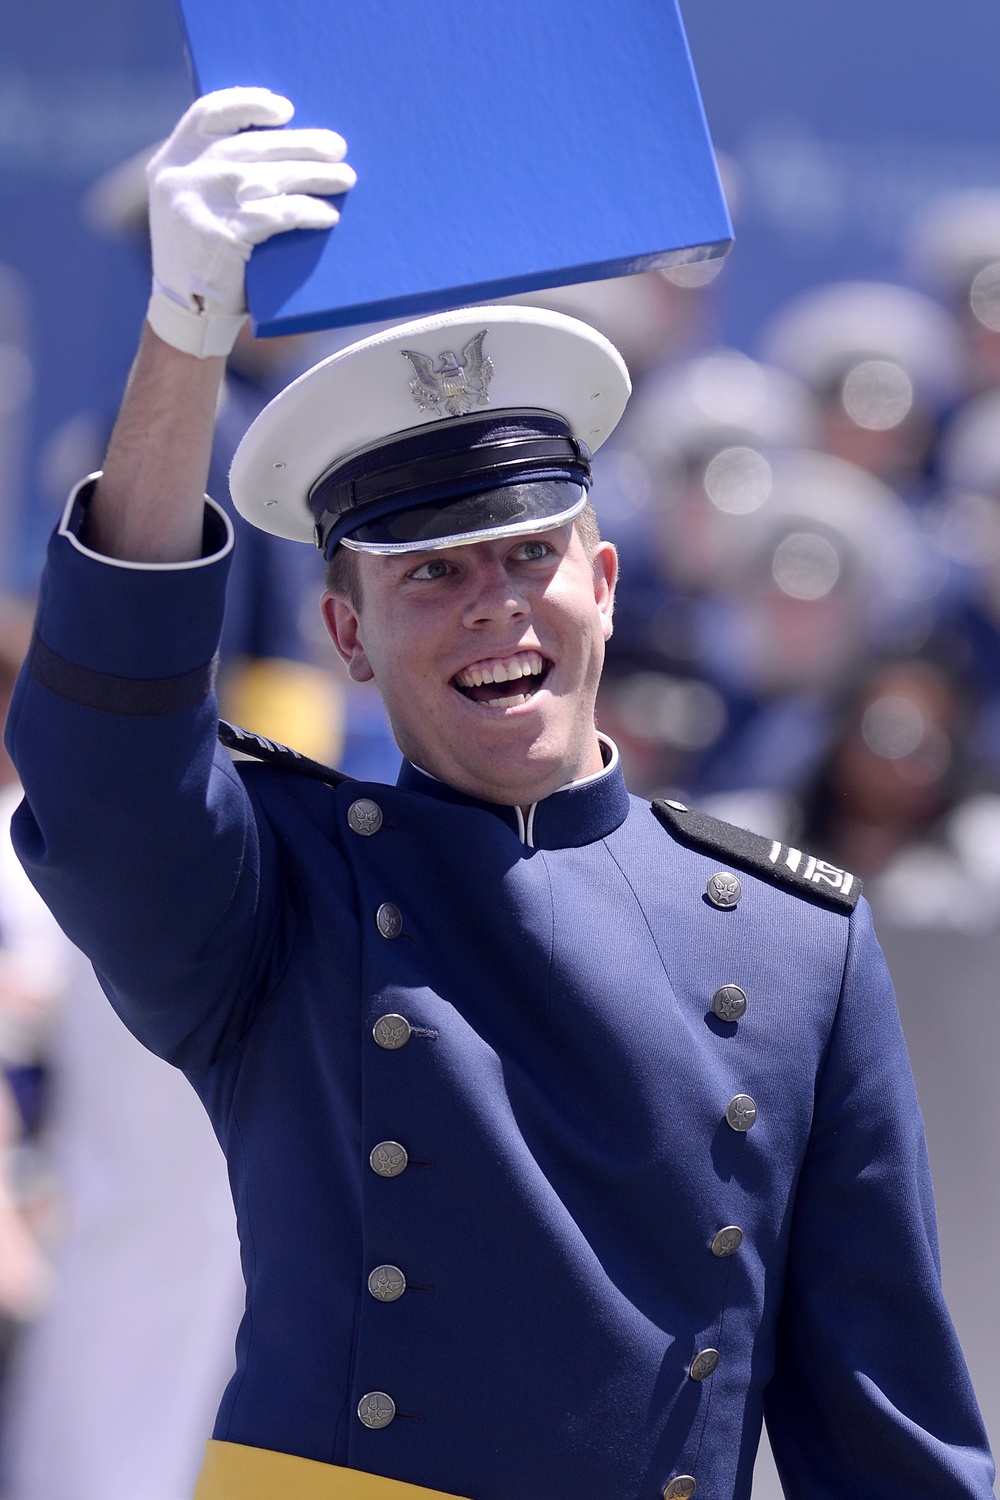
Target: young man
(566,1134)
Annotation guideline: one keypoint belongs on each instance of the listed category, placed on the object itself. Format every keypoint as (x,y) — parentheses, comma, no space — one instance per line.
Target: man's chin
(513,769)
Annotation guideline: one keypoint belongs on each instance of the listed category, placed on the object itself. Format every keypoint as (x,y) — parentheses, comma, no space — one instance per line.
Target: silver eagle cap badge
(457,385)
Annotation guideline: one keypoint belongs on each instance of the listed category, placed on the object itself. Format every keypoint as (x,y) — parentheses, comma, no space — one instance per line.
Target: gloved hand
(214,194)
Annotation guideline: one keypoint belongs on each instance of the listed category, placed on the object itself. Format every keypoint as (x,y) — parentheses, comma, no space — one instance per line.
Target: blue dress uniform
(532,1206)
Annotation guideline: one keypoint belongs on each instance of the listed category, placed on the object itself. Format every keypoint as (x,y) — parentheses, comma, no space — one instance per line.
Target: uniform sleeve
(871,1397)
(135,828)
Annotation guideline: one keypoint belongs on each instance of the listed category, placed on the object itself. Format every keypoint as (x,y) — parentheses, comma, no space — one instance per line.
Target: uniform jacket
(561,1100)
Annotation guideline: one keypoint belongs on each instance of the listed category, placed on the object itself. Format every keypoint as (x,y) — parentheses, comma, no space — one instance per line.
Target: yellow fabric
(287,701)
(234,1472)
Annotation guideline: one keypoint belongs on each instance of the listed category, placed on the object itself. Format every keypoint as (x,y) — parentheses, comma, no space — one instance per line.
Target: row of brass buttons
(387,1283)
(729,1003)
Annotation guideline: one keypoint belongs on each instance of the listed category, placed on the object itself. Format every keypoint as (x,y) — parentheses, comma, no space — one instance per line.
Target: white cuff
(200,334)
(66,529)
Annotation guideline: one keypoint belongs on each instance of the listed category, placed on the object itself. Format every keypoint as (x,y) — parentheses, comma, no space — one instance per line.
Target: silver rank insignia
(808,867)
(457,385)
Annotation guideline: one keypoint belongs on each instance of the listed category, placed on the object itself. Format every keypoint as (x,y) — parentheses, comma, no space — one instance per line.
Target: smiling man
(567,1134)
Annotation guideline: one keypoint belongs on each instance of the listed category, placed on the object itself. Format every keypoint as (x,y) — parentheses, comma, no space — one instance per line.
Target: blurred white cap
(816,492)
(955,237)
(719,400)
(823,334)
(638,314)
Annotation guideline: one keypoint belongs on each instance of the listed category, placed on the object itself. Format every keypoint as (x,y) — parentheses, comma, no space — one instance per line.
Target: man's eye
(434,567)
(533,551)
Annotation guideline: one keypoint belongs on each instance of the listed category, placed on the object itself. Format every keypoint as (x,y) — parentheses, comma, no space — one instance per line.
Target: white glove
(214,194)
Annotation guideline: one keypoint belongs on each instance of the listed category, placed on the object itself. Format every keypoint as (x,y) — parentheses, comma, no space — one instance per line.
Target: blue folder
(500,145)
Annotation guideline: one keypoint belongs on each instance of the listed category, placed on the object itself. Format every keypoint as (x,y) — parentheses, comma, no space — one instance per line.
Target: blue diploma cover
(500,145)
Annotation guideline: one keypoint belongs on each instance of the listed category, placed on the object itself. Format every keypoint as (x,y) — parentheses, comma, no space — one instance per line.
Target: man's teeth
(525,664)
(510,702)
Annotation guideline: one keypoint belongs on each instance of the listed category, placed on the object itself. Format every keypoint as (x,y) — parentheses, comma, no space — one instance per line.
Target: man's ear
(605,581)
(341,620)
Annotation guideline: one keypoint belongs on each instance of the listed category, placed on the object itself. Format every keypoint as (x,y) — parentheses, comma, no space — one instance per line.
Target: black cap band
(442,462)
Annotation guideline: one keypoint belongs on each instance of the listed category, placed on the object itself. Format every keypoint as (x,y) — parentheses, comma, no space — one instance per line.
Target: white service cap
(449,429)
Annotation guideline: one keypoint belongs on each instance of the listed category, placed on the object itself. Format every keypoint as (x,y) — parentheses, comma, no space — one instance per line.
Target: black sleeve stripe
(780,864)
(118,695)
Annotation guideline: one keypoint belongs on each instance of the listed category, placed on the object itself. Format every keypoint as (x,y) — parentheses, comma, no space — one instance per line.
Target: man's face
(488,657)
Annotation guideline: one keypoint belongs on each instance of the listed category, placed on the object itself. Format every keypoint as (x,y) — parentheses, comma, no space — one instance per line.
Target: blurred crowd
(807,643)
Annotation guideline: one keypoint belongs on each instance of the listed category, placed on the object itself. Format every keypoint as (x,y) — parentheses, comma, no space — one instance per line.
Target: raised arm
(149,503)
(225,180)
(135,827)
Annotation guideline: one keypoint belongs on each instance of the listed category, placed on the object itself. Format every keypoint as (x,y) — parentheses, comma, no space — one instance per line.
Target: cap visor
(512,510)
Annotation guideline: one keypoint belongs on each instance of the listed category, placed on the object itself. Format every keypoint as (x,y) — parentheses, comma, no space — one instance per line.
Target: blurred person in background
(885,363)
(954,249)
(819,576)
(693,452)
(815,565)
(33,975)
(895,766)
(966,530)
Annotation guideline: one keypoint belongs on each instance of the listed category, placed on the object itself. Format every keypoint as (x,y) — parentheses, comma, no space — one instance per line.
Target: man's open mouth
(503,681)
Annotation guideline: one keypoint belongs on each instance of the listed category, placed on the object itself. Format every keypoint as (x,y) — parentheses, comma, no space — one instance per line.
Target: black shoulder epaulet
(778,863)
(259,748)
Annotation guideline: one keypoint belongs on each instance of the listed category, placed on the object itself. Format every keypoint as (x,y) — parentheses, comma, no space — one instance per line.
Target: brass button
(377,1409)
(729,1002)
(727,1241)
(741,1113)
(392,1031)
(364,817)
(387,1283)
(389,920)
(681,1487)
(388,1159)
(704,1364)
(723,890)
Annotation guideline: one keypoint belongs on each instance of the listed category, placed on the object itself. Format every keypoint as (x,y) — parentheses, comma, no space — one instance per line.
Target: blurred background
(806,496)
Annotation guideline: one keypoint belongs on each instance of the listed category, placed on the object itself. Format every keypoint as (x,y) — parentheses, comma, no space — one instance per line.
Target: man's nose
(494,596)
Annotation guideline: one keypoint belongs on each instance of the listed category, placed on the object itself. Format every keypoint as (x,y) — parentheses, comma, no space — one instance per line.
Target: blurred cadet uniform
(691,452)
(966,528)
(32,987)
(773,572)
(569,1245)
(885,363)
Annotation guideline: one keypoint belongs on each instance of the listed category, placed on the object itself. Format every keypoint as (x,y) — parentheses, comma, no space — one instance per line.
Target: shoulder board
(779,864)
(258,748)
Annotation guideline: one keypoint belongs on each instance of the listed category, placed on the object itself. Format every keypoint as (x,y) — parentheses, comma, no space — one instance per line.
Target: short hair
(343,576)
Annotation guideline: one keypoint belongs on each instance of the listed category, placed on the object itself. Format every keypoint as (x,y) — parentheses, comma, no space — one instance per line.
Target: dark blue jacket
(562,1099)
